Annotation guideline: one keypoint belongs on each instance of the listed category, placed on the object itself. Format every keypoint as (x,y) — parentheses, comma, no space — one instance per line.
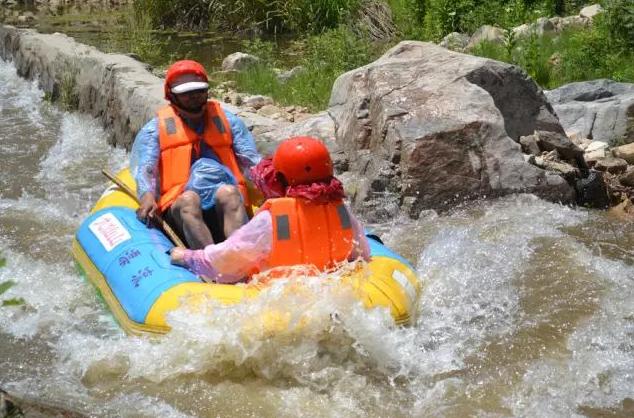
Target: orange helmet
(183,67)
(303,160)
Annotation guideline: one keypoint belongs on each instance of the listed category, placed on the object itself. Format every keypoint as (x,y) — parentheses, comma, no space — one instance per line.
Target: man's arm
(144,168)
(243,143)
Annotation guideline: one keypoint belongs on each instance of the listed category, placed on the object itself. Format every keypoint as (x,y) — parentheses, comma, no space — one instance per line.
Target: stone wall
(117,89)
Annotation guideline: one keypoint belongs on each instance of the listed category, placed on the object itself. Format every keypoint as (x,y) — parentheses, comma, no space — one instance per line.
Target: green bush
(135,35)
(324,58)
(301,16)
(575,55)
(618,22)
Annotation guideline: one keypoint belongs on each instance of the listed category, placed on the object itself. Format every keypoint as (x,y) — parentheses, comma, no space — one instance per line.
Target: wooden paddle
(164,225)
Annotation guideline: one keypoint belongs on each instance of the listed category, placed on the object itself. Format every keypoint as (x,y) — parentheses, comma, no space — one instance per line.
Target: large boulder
(600,109)
(320,125)
(424,127)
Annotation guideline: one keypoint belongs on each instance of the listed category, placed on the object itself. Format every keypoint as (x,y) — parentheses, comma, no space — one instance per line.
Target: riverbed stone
(596,145)
(320,125)
(612,165)
(486,33)
(625,152)
(285,76)
(548,141)
(627,178)
(529,145)
(455,41)
(258,101)
(594,156)
(441,127)
(239,61)
(591,11)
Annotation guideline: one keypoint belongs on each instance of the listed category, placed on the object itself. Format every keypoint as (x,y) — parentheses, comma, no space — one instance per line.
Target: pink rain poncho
(249,247)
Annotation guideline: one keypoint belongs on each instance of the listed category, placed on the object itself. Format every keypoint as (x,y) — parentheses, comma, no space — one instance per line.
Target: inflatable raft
(129,265)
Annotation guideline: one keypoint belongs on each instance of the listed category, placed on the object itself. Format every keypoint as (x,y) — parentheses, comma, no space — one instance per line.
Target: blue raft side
(138,270)
(378,249)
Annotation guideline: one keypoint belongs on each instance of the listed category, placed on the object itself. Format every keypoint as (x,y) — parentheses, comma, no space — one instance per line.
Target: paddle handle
(164,225)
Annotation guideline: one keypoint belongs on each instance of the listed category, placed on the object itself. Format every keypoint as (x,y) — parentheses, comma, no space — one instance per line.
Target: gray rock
(596,145)
(540,27)
(573,22)
(549,141)
(591,11)
(592,191)
(594,156)
(611,165)
(455,41)
(625,152)
(440,127)
(600,109)
(320,126)
(239,61)
(627,179)
(486,33)
(285,76)
(529,145)
(258,101)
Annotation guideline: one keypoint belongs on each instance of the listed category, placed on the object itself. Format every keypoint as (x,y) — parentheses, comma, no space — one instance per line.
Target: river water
(527,309)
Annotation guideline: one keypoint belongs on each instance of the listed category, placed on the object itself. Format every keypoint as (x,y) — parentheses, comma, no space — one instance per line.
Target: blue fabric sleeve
(243,143)
(144,159)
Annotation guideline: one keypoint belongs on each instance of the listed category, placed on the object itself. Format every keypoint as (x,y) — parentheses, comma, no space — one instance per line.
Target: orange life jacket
(177,143)
(309,233)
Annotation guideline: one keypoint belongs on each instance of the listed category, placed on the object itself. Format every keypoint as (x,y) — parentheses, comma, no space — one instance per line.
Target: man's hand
(148,210)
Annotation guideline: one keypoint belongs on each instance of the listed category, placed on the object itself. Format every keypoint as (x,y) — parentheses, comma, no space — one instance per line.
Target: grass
(4,286)
(136,35)
(324,57)
(68,95)
(575,55)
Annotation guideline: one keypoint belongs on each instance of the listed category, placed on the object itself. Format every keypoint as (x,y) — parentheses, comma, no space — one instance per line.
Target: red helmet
(303,160)
(180,68)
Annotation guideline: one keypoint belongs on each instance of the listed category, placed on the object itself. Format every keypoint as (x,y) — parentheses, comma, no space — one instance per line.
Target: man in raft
(304,221)
(189,159)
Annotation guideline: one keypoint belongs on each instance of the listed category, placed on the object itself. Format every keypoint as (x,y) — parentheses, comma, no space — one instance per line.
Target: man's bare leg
(186,211)
(230,209)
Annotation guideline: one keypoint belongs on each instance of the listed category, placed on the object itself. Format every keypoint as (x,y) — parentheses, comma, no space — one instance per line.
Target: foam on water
(24,97)
(599,372)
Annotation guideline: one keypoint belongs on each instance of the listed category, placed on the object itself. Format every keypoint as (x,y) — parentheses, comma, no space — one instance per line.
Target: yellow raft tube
(129,265)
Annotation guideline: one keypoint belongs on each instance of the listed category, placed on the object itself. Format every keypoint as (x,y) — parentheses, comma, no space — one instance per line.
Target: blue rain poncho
(207,173)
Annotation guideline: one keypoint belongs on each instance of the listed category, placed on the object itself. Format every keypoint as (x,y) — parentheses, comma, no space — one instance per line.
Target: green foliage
(576,55)
(4,286)
(67,89)
(409,16)
(13,302)
(301,16)
(618,22)
(265,50)
(324,58)
(135,35)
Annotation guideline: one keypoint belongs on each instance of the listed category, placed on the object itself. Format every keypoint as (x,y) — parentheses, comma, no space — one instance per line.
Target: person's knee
(188,202)
(228,195)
